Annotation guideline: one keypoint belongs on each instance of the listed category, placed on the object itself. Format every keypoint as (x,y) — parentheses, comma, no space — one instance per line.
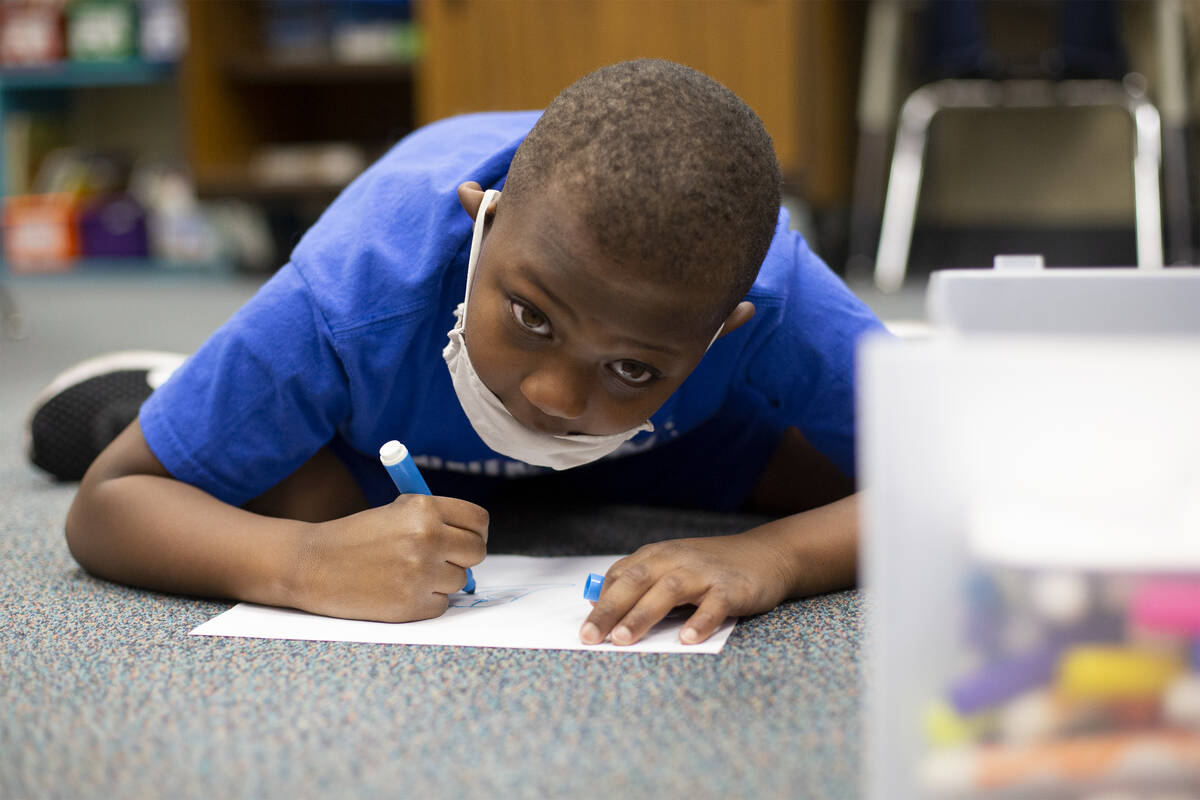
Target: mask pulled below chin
(499,429)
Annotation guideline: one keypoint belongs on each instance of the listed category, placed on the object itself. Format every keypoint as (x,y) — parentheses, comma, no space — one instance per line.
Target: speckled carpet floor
(103,693)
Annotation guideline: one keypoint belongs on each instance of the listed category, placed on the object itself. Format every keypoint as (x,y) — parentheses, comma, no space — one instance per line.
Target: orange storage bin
(41,232)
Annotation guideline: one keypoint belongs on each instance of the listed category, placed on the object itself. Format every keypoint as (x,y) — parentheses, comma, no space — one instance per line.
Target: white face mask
(488,416)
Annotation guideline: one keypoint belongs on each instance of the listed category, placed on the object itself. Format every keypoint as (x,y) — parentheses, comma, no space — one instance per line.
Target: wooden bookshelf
(238,100)
(796,63)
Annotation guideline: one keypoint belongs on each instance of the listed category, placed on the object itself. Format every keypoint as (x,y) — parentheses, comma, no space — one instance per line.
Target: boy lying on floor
(631,320)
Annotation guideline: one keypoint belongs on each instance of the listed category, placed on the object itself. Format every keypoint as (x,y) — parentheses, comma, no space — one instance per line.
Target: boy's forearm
(818,547)
(159,533)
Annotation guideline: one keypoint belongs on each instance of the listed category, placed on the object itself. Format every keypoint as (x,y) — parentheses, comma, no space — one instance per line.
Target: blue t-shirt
(343,346)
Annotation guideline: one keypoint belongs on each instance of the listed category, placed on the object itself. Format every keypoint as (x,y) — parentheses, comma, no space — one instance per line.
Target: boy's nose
(556,392)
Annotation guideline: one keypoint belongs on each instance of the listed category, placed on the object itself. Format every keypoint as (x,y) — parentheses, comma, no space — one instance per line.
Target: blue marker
(592,587)
(404,473)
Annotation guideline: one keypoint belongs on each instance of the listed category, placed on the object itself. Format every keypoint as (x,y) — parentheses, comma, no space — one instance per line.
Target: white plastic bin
(1050,484)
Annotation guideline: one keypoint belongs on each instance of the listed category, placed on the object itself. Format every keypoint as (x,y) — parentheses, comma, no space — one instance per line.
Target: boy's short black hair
(674,173)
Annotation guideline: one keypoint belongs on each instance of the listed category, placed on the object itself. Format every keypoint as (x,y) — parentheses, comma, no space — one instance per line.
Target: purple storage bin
(113,227)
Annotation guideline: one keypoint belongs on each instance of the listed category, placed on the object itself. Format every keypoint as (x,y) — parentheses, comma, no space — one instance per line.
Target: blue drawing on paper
(500,595)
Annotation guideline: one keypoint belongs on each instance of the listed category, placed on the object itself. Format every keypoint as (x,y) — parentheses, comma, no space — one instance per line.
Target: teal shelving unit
(46,86)
(76,75)
(49,87)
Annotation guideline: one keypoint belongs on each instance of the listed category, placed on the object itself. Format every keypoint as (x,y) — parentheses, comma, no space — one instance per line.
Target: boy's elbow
(73,536)
(81,535)
(88,521)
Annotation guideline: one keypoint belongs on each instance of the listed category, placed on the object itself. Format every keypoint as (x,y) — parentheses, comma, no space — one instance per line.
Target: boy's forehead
(552,221)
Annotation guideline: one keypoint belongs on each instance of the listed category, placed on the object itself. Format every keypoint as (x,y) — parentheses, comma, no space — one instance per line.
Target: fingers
(407,604)
(634,598)
(463,514)
(447,579)
(438,539)
(622,588)
(673,589)
(433,605)
(461,548)
(712,611)
(449,510)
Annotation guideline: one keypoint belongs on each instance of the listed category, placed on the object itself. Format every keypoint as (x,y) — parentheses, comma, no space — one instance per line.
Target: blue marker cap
(592,587)
(402,469)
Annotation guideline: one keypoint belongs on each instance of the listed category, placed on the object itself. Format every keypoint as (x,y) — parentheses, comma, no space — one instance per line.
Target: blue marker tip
(404,473)
(592,587)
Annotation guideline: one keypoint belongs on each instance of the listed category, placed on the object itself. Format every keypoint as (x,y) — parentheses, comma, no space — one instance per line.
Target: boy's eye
(530,319)
(631,371)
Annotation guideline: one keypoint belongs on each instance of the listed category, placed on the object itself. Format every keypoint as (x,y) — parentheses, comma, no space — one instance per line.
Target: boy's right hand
(395,563)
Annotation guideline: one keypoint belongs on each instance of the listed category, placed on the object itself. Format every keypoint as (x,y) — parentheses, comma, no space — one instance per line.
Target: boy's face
(568,340)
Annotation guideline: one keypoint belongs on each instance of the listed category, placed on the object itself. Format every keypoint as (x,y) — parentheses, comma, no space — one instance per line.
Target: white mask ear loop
(476,241)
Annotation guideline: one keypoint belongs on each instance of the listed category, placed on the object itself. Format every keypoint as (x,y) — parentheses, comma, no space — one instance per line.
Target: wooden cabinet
(794,61)
(240,98)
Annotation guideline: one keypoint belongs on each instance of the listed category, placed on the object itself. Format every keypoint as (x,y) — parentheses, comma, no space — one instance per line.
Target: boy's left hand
(723,576)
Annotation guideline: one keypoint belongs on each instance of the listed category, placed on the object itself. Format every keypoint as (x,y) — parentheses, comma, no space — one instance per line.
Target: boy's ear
(738,317)
(470,194)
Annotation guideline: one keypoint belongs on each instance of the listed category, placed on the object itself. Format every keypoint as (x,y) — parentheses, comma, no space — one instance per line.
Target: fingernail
(622,635)
(689,636)
(589,633)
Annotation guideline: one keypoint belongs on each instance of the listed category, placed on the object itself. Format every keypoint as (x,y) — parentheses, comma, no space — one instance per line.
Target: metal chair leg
(904,187)
(1172,99)
(1147,158)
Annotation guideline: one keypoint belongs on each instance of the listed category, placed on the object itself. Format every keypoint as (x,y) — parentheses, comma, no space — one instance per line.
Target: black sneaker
(85,407)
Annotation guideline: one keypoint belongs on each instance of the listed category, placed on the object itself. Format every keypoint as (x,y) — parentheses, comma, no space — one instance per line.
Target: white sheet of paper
(519,601)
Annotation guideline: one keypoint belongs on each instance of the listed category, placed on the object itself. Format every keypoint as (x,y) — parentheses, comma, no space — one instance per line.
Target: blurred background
(202,137)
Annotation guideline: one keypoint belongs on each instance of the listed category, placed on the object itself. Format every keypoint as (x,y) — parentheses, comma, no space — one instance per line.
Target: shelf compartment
(256,69)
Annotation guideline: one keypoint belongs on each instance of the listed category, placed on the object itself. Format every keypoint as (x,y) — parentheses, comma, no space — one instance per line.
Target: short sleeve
(257,400)
(803,363)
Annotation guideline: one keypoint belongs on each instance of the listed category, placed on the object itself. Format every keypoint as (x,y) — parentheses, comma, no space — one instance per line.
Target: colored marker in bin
(592,587)
(404,473)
